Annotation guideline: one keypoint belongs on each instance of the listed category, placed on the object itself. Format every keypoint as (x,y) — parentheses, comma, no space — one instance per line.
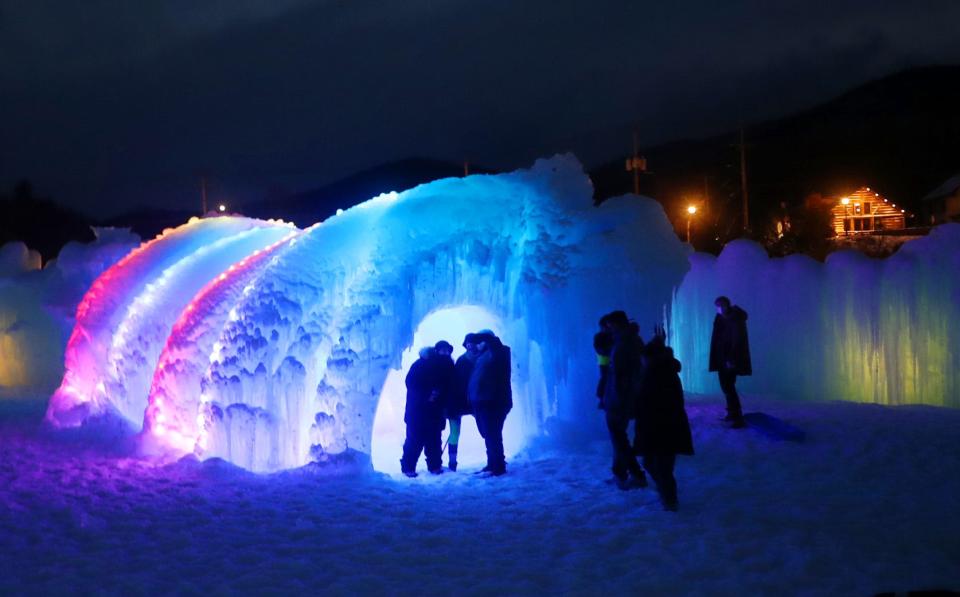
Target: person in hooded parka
(424,414)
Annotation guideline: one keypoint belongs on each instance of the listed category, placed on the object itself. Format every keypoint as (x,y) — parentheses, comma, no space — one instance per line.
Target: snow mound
(16,258)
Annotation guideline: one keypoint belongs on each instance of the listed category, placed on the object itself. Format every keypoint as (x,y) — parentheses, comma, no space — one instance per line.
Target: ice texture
(37,306)
(125,318)
(298,351)
(853,328)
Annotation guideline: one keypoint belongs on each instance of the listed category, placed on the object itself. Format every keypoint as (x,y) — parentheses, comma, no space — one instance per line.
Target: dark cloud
(119,103)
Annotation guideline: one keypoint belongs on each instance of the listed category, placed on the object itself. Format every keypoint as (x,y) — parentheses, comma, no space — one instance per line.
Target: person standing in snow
(663,429)
(620,397)
(491,397)
(459,403)
(424,414)
(730,355)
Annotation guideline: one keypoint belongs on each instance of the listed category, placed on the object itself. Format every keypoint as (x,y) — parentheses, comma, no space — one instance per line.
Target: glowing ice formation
(300,365)
(272,347)
(853,328)
(124,319)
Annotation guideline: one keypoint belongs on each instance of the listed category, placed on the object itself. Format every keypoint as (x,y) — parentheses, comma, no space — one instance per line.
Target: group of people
(440,391)
(640,382)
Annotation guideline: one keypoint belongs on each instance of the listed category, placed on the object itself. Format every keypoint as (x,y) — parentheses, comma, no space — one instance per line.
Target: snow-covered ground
(869,503)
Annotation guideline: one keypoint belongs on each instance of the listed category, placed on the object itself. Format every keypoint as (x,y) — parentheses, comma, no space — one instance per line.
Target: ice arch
(124,319)
(452,324)
(298,366)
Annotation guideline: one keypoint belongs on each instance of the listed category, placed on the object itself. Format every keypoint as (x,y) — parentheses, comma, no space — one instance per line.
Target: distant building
(866,211)
(942,204)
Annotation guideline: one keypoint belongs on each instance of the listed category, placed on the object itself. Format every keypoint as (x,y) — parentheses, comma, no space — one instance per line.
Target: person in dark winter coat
(663,429)
(620,398)
(424,414)
(459,403)
(491,397)
(730,354)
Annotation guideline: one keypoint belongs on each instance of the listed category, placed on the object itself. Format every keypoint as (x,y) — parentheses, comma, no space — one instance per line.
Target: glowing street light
(221,208)
(691,210)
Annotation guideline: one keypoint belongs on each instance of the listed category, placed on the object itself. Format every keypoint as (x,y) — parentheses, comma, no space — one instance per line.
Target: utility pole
(203,195)
(743,182)
(636,164)
(466,168)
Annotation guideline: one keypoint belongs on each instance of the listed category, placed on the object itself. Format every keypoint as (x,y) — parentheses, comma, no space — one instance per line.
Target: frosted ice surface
(271,347)
(124,319)
(853,328)
(300,366)
(37,306)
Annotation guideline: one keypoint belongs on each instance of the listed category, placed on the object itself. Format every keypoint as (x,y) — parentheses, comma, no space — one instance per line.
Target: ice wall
(853,328)
(124,319)
(37,306)
(174,401)
(297,369)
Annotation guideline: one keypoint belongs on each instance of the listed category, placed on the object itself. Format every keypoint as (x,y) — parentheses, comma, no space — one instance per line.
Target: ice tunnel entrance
(450,324)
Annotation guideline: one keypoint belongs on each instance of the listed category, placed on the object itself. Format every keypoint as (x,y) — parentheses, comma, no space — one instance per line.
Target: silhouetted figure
(730,355)
(620,396)
(602,346)
(491,397)
(663,430)
(459,403)
(424,413)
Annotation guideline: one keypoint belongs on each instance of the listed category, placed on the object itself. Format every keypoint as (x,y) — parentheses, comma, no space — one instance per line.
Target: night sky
(110,105)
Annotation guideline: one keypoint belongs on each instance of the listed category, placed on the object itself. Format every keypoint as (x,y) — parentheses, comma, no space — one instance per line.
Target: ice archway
(452,324)
(282,358)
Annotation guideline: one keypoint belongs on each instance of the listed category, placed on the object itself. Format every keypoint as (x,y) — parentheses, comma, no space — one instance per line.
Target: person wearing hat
(491,397)
(620,397)
(428,385)
(459,403)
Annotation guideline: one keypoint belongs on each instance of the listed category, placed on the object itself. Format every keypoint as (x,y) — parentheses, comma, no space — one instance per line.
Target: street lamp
(221,208)
(691,210)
